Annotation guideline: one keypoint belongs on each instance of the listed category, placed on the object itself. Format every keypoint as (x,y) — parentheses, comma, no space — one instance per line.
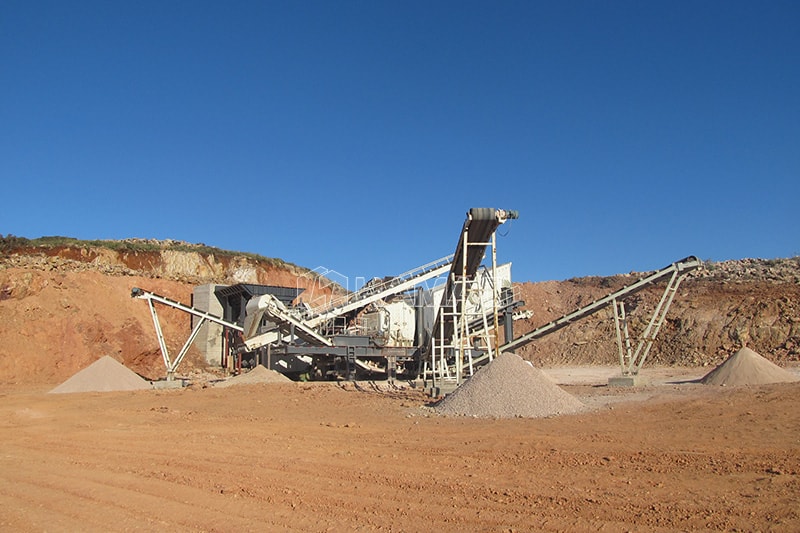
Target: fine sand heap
(104,375)
(747,367)
(509,387)
(259,374)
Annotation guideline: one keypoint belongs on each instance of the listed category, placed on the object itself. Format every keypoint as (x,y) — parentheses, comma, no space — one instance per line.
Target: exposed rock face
(768,270)
(189,266)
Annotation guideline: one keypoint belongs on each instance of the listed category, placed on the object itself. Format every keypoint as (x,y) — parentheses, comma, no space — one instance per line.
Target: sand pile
(259,374)
(747,367)
(104,375)
(509,387)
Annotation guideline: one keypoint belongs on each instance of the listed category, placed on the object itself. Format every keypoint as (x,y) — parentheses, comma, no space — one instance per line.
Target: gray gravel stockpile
(259,374)
(509,387)
(104,375)
(747,367)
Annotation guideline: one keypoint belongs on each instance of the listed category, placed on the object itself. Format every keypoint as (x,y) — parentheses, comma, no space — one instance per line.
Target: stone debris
(104,375)
(747,367)
(259,374)
(782,270)
(509,387)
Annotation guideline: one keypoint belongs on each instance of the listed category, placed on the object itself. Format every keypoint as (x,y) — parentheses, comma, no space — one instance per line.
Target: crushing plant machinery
(391,327)
(407,327)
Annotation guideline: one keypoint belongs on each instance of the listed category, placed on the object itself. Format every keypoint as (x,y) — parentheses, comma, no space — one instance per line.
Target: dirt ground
(670,456)
(673,455)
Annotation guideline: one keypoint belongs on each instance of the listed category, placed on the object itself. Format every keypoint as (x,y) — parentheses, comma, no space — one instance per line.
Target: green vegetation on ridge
(11,242)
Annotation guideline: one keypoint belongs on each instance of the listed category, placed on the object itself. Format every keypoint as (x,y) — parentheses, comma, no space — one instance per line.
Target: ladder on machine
(452,338)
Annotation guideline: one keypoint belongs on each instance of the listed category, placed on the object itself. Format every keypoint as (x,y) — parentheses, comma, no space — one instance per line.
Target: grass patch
(11,242)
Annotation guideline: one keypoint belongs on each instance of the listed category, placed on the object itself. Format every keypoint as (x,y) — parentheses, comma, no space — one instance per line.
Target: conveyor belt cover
(478,228)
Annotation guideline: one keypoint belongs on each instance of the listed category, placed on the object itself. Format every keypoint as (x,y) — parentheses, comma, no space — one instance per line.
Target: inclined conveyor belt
(476,234)
(372,293)
(284,320)
(679,267)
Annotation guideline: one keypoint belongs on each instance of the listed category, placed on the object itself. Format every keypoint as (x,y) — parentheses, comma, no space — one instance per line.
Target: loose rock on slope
(509,387)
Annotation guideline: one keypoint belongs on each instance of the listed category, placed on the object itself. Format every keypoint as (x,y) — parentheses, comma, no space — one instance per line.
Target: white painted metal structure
(465,324)
(373,293)
(172,365)
(288,324)
(463,304)
(306,328)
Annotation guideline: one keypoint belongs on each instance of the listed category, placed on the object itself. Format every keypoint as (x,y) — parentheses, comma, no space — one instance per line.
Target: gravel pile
(747,367)
(509,387)
(259,374)
(104,375)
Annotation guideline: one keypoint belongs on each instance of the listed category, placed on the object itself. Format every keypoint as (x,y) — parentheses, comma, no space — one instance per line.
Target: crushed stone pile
(104,375)
(747,367)
(509,387)
(259,374)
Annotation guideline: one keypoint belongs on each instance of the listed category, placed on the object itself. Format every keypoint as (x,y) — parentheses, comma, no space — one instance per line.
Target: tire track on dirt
(128,500)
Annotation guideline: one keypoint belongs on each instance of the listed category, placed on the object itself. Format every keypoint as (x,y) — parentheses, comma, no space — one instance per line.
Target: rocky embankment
(173,260)
(775,271)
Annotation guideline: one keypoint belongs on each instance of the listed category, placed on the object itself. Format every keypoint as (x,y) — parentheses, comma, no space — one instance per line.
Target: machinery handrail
(378,291)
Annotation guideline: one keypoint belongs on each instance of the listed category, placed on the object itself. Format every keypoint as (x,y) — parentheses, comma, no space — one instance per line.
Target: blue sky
(355,135)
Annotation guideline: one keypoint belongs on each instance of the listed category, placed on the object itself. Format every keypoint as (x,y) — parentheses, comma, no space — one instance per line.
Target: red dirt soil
(674,455)
(316,457)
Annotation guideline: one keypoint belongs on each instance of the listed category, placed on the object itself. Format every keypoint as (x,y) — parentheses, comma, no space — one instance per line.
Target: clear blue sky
(355,135)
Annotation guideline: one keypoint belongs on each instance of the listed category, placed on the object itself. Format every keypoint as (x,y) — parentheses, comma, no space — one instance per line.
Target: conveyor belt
(142,294)
(306,329)
(285,321)
(373,293)
(476,234)
(683,266)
